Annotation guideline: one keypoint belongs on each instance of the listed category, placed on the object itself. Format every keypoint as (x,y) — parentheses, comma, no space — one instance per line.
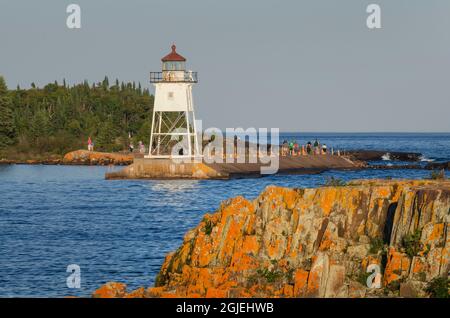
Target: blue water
(53,216)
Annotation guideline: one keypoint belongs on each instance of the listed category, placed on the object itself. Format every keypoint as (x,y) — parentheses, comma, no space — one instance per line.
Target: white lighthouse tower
(174,132)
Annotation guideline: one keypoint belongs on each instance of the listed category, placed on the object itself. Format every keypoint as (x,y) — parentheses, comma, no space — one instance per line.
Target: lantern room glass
(173,66)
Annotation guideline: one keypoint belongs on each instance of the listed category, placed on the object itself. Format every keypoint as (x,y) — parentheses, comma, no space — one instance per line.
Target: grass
(376,245)
(437,175)
(439,287)
(412,244)
(394,286)
(362,277)
(208,227)
(422,276)
(270,276)
(334,182)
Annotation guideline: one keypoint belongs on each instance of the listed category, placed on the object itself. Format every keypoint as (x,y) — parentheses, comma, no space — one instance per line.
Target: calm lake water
(53,216)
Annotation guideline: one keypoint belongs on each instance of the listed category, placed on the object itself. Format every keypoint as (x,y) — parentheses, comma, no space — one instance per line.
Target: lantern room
(173,61)
(173,69)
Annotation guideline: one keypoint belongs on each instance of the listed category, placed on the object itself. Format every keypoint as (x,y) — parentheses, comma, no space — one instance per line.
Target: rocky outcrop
(314,243)
(84,157)
(438,166)
(376,155)
(4,161)
(51,160)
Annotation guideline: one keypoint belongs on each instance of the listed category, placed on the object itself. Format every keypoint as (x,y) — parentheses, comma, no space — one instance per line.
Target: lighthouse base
(165,168)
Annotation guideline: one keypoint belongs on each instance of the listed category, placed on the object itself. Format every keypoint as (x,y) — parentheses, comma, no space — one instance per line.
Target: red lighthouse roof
(173,56)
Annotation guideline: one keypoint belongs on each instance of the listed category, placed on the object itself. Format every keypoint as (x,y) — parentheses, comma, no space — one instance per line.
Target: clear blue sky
(296,65)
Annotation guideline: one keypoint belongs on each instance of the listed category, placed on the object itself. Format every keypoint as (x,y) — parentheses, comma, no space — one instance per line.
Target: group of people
(141,146)
(293,148)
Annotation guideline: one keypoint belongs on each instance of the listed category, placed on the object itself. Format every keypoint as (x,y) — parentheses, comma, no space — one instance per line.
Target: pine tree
(40,125)
(105,83)
(106,135)
(7,129)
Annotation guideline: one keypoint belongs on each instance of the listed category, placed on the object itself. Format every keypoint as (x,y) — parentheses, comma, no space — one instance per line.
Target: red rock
(111,290)
(85,157)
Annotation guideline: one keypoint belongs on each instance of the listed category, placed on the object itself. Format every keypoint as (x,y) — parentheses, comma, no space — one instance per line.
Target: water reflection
(173,186)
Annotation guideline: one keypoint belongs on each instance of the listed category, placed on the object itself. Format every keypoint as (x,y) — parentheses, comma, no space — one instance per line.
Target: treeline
(59,118)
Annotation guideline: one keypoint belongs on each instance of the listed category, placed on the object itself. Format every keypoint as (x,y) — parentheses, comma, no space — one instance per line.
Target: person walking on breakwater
(324,149)
(309,148)
(291,148)
(316,147)
(296,149)
(90,144)
(284,148)
(141,147)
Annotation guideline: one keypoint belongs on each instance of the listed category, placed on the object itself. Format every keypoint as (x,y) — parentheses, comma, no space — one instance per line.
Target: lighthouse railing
(173,77)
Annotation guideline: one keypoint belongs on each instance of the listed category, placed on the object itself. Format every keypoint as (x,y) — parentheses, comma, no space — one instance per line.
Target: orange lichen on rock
(111,290)
(300,282)
(310,243)
(84,157)
(397,265)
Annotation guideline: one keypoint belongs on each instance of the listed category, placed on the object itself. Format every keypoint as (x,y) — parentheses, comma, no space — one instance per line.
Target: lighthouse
(174,131)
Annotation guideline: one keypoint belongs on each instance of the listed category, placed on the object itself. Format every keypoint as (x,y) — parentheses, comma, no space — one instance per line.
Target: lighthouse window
(170,95)
(173,66)
(180,66)
(168,66)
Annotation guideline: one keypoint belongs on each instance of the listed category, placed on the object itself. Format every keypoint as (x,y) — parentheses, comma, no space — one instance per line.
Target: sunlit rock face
(84,157)
(315,243)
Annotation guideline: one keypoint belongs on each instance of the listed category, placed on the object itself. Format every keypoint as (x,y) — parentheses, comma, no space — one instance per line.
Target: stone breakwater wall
(171,169)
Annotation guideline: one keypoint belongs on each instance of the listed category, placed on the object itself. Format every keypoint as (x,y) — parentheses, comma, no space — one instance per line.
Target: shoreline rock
(377,155)
(438,166)
(84,157)
(79,157)
(313,243)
